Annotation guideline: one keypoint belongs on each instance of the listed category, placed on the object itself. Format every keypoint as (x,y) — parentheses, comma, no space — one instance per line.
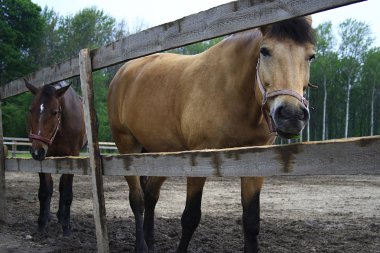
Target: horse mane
(297,29)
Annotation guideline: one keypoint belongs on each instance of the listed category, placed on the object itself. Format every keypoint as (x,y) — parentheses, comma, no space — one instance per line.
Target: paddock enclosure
(344,157)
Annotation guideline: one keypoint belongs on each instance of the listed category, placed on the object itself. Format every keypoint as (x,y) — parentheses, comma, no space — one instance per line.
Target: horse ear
(309,19)
(61,90)
(30,87)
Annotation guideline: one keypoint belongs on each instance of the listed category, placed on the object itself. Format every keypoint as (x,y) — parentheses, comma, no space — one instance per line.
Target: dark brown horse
(237,93)
(55,124)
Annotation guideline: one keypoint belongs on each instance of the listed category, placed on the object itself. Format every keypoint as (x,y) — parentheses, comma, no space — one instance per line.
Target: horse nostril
(282,113)
(38,154)
(289,112)
(304,115)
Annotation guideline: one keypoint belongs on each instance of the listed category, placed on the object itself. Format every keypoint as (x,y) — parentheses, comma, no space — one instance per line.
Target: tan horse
(233,94)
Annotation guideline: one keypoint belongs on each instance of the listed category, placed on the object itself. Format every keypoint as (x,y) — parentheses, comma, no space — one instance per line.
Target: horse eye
(311,57)
(55,112)
(264,51)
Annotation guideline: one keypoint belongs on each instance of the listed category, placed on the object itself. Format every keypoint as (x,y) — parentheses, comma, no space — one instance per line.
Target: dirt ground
(299,214)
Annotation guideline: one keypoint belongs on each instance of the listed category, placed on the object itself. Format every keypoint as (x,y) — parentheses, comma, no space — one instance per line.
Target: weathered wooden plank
(221,20)
(352,156)
(335,157)
(3,199)
(93,147)
(47,75)
(57,165)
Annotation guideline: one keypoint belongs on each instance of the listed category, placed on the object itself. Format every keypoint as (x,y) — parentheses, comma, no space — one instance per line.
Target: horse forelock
(297,29)
(48,91)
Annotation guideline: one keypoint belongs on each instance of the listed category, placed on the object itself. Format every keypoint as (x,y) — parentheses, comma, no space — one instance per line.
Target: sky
(154,12)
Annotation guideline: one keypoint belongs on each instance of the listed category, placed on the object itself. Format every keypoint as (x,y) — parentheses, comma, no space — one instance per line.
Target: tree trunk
(324,109)
(372,110)
(349,86)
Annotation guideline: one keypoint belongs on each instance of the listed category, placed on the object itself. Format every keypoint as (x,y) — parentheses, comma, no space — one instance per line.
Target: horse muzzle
(289,119)
(38,153)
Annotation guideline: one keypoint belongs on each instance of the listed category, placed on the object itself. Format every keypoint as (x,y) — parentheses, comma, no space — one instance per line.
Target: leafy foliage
(343,68)
(20,34)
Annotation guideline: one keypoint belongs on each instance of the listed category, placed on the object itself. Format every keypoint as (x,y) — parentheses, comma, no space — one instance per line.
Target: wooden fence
(350,156)
(14,143)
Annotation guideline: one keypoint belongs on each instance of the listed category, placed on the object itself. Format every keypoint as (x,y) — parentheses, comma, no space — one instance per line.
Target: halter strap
(275,93)
(45,140)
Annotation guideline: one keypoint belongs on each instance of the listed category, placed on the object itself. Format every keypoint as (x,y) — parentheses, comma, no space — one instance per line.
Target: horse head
(282,74)
(44,117)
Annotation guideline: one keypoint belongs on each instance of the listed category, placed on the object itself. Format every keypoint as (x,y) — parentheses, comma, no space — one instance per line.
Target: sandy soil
(299,214)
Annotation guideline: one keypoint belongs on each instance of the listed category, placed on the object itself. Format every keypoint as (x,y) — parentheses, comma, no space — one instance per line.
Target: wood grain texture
(336,157)
(218,21)
(48,75)
(94,151)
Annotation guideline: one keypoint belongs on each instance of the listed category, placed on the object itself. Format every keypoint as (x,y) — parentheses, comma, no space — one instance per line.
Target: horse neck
(240,54)
(66,102)
(240,51)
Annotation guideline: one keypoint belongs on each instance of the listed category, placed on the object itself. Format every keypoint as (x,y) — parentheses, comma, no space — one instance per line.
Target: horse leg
(65,199)
(127,143)
(250,198)
(136,201)
(152,188)
(44,196)
(192,213)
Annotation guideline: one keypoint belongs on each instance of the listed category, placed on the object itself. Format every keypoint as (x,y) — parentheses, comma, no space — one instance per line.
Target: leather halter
(275,93)
(50,140)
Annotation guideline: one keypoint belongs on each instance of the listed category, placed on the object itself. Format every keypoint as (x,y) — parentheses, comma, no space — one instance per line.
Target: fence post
(14,149)
(3,199)
(85,68)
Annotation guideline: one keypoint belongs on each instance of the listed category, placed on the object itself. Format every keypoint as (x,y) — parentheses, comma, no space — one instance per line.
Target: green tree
(101,93)
(89,28)
(20,34)
(21,28)
(196,48)
(356,39)
(370,83)
(50,46)
(321,68)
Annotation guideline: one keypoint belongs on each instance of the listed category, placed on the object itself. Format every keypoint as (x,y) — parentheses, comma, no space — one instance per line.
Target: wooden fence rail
(334,157)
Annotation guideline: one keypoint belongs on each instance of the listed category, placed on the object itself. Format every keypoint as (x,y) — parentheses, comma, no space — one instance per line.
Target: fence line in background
(14,143)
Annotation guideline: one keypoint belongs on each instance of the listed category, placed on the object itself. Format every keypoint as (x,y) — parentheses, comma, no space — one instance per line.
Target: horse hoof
(42,230)
(42,226)
(66,230)
(142,249)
